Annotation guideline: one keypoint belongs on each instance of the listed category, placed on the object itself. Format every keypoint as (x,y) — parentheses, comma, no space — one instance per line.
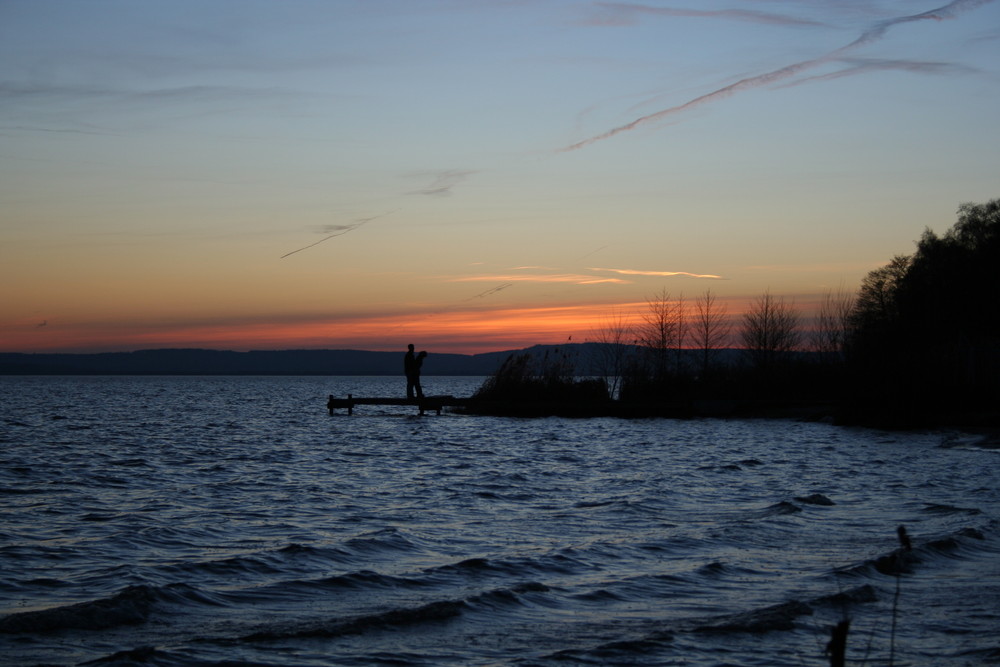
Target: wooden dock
(424,405)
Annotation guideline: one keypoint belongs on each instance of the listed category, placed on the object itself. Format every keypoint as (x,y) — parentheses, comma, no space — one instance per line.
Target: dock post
(350,404)
(329,404)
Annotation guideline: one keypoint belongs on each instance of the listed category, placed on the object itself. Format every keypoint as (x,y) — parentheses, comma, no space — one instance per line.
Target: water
(199,521)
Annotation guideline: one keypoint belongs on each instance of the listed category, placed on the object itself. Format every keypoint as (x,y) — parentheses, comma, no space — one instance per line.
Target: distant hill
(276,362)
(222,362)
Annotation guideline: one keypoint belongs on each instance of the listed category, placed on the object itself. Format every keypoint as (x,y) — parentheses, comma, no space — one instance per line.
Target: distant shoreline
(189,362)
(194,361)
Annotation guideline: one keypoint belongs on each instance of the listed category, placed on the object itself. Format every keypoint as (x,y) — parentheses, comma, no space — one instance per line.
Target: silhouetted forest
(917,345)
(925,331)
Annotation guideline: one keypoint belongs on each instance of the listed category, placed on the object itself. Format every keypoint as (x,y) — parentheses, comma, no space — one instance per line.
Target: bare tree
(833,325)
(681,316)
(614,339)
(769,331)
(660,331)
(710,329)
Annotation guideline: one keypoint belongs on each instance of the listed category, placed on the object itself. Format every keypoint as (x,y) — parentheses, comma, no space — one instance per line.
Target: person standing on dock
(412,372)
(416,373)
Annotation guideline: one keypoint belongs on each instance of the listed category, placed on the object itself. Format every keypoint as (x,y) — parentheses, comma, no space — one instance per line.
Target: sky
(468,175)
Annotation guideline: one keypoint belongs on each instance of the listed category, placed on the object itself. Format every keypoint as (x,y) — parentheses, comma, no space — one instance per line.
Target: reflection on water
(195,520)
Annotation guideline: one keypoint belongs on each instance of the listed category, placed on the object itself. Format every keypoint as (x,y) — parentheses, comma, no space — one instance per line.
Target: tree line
(918,343)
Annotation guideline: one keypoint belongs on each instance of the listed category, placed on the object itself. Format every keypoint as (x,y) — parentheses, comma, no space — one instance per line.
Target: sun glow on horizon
(465,330)
(461,329)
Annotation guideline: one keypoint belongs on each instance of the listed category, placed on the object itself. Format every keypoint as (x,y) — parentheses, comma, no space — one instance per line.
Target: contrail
(857,65)
(496,289)
(340,231)
(872,34)
(593,252)
(443,182)
(622,8)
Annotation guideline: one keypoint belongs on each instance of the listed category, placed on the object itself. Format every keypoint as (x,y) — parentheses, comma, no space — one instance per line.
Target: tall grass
(525,378)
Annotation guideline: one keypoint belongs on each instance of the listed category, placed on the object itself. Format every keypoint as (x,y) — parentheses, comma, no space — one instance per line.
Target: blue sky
(351,174)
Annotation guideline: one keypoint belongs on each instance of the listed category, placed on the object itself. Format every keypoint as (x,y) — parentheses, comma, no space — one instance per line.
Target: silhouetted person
(417,364)
(412,372)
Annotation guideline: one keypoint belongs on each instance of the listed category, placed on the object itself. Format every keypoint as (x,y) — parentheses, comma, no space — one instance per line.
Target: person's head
(410,347)
(422,354)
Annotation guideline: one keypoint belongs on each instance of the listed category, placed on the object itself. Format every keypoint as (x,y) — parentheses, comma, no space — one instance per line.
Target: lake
(232,520)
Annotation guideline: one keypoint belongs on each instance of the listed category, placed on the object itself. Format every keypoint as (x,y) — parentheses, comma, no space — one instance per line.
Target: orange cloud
(575,278)
(637,272)
(459,330)
(467,328)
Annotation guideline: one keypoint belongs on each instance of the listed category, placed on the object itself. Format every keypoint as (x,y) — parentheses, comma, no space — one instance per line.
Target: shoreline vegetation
(545,384)
(917,346)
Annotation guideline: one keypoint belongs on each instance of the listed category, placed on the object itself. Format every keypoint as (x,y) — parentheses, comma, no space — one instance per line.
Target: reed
(525,378)
(905,548)
(893,564)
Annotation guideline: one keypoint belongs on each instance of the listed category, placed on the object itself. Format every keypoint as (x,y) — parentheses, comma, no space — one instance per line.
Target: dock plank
(425,404)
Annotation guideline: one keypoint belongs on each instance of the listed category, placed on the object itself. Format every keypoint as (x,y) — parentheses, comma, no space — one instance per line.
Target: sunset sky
(468,175)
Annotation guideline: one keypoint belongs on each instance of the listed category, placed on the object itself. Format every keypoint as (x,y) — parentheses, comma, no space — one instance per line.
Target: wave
(309,555)
(385,540)
(511,497)
(131,606)
(932,508)
(781,617)
(431,612)
(599,595)
(779,509)
(721,467)
(12,491)
(815,499)
(902,560)
(776,617)
(586,504)
(367,579)
(139,655)
(712,569)
(499,598)
(971,441)
(550,564)
(237,565)
(288,559)
(697,582)
(786,507)
(363,581)
(130,463)
(619,652)
(858,595)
